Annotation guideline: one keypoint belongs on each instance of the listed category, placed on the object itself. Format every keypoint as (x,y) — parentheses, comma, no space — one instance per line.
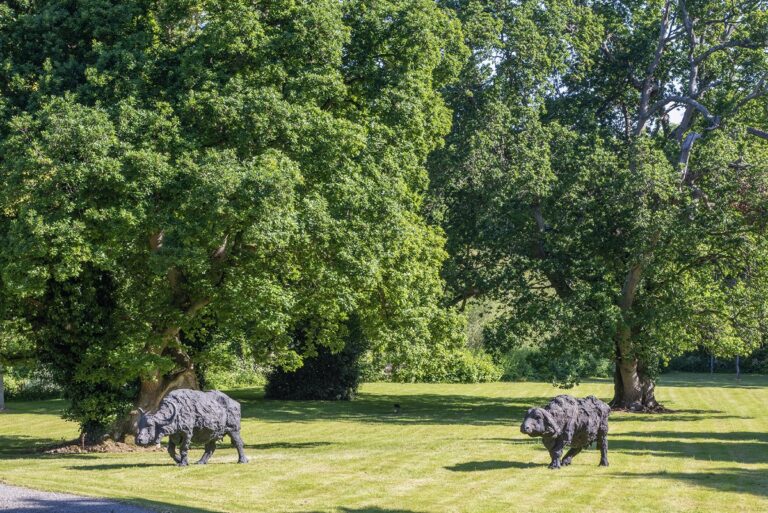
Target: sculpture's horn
(142,412)
(550,422)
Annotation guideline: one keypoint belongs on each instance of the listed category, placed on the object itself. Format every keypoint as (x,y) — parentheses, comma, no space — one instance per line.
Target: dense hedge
(328,376)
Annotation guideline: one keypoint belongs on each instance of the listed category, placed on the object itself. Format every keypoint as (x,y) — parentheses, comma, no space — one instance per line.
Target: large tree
(258,165)
(607,178)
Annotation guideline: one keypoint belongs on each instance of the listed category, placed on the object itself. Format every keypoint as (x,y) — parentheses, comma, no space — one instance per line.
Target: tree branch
(734,43)
(757,132)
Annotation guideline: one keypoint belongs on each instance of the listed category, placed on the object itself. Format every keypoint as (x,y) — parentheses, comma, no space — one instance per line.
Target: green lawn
(453,448)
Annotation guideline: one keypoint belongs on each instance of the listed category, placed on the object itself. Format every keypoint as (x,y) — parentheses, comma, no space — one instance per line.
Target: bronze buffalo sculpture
(187,416)
(569,421)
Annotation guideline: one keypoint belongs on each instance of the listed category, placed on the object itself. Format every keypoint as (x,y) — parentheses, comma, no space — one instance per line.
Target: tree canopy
(257,165)
(606,179)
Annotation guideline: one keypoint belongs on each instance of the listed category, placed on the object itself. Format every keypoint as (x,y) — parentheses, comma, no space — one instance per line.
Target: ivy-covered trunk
(153,388)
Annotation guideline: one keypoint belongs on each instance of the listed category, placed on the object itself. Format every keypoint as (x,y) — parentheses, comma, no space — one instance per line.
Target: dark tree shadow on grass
(286,445)
(122,466)
(685,379)
(736,480)
(677,416)
(421,409)
(474,466)
(740,452)
(732,436)
(22,446)
(514,441)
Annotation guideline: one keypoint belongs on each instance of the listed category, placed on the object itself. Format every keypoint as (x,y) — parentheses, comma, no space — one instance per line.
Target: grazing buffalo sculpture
(187,416)
(569,421)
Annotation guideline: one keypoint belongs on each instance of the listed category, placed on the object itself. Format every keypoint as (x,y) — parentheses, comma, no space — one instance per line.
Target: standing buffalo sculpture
(569,421)
(187,416)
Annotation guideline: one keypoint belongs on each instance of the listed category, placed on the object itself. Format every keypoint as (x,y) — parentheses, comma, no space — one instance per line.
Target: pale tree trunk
(2,390)
(633,388)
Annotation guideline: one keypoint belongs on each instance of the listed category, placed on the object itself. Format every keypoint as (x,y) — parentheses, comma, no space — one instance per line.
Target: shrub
(326,376)
(29,383)
(443,365)
(242,372)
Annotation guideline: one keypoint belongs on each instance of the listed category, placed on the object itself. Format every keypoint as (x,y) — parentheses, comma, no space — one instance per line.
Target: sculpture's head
(538,422)
(148,432)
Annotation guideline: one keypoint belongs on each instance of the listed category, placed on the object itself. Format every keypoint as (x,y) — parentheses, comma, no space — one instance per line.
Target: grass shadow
(741,452)
(475,466)
(677,416)
(697,380)
(735,480)
(115,466)
(420,409)
(732,436)
(514,441)
(286,445)
(22,446)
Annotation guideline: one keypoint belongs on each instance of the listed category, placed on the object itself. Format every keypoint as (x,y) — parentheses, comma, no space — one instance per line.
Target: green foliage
(699,361)
(324,375)
(240,373)
(28,383)
(561,187)
(436,365)
(260,165)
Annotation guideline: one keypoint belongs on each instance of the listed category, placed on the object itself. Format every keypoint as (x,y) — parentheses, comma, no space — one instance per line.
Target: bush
(327,376)
(516,365)
(529,363)
(442,365)
(242,372)
(29,383)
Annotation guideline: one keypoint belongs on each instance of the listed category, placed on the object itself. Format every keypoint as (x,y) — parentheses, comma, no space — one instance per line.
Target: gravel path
(24,500)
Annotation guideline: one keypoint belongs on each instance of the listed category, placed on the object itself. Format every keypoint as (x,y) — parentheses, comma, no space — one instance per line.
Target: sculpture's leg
(556,452)
(172,451)
(602,439)
(184,450)
(209,448)
(238,443)
(573,451)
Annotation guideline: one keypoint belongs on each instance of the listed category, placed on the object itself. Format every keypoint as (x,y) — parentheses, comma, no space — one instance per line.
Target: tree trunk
(738,369)
(633,390)
(151,392)
(2,390)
